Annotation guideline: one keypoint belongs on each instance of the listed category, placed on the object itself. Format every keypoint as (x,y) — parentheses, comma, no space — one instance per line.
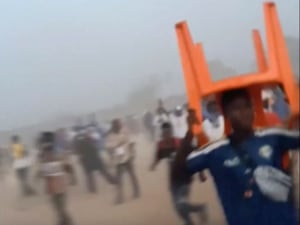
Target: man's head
(47,140)
(116,125)
(178,111)
(161,111)
(15,139)
(237,108)
(166,130)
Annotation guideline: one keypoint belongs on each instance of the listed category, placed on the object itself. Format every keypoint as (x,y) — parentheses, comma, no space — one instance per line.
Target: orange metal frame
(275,70)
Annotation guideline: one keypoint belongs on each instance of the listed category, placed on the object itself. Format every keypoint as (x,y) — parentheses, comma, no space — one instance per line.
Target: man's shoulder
(214,145)
(275,131)
(211,147)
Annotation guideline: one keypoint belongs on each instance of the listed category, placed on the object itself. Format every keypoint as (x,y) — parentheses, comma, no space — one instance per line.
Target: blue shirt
(231,178)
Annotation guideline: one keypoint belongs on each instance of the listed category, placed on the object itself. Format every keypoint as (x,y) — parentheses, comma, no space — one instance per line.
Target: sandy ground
(153,208)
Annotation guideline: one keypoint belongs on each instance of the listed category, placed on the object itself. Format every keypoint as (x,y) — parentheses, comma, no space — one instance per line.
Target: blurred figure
(271,117)
(167,149)
(86,147)
(1,162)
(148,124)
(63,145)
(213,124)
(160,117)
(98,133)
(52,169)
(273,120)
(179,122)
(132,124)
(21,165)
(122,151)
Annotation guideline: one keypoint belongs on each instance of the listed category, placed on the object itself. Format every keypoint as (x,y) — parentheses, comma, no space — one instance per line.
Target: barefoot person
(246,166)
(122,151)
(52,168)
(167,149)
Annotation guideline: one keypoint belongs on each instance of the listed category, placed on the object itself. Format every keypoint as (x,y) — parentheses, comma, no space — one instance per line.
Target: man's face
(240,114)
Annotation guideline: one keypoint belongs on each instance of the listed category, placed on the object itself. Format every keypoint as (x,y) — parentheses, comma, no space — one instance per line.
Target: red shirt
(165,148)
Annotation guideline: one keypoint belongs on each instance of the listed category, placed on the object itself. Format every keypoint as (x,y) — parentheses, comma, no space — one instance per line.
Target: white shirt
(214,130)
(179,124)
(22,163)
(52,169)
(25,161)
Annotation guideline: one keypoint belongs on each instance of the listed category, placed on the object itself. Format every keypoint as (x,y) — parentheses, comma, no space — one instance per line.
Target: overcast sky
(61,56)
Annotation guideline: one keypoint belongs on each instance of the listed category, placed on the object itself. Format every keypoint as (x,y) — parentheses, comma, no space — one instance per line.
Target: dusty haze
(66,57)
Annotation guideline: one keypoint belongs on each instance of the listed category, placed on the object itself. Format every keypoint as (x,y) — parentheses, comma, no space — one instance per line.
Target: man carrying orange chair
(247,164)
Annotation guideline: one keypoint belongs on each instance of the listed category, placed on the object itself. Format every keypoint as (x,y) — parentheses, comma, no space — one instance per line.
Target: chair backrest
(272,71)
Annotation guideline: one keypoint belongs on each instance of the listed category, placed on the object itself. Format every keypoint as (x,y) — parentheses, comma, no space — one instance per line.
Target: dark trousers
(184,209)
(90,179)
(22,175)
(59,205)
(128,168)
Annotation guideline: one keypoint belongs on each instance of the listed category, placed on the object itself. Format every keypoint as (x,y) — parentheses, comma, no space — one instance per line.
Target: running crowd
(250,168)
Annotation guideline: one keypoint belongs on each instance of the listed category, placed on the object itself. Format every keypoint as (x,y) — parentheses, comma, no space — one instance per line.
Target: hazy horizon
(61,57)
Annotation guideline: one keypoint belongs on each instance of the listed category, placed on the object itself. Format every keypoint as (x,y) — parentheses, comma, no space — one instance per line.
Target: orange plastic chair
(276,70)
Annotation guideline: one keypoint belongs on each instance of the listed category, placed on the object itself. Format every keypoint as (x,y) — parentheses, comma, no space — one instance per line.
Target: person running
(86,147)
(63,146)
(1,163)
(246,166)
(122,150)
(148,124)
(53,170)
(98,133)
(167,149)
(160,117)
(21,165)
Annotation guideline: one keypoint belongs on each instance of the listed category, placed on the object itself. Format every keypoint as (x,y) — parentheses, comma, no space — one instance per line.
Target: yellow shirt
(18,151)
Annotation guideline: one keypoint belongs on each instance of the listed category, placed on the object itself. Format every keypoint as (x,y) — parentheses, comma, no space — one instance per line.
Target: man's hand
(202,176)
(192,118)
